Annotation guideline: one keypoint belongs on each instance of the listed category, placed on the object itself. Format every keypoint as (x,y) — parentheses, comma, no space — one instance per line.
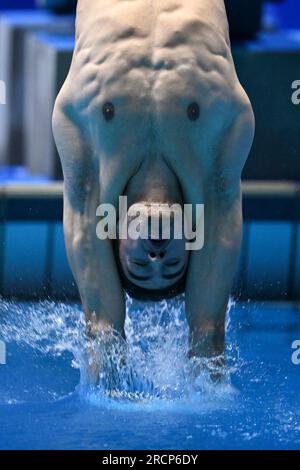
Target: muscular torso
(151,59)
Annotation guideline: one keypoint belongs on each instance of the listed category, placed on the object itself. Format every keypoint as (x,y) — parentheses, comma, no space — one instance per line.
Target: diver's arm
(92,260)
(94,268)
(210,276)
(212,269)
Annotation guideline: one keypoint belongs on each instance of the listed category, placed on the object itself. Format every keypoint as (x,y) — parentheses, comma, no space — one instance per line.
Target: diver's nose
(157,248)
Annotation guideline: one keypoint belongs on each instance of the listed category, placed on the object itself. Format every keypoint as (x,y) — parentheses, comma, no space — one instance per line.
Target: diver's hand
(207,348)
(214,366)
(106,356)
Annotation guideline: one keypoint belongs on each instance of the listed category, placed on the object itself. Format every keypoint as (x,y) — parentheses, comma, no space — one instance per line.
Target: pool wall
(33,262)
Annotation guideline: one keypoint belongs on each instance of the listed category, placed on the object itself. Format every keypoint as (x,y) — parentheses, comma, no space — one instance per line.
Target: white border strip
(268,189)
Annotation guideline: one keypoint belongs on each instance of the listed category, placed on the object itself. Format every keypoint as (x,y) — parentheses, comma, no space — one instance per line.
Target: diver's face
(154,263)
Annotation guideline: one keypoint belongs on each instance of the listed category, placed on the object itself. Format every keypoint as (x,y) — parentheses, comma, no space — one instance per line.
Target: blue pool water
(46,401)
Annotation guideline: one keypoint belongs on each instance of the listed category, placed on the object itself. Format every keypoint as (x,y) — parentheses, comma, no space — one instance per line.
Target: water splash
(152,365)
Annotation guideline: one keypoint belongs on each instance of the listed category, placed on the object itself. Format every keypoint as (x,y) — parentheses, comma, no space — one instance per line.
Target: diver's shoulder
(241,107)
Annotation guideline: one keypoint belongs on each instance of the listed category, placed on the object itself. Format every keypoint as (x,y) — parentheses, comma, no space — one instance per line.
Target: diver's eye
(193,111)
(108,111)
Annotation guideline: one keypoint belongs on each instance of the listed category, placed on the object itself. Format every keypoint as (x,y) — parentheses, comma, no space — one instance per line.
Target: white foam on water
(151,367)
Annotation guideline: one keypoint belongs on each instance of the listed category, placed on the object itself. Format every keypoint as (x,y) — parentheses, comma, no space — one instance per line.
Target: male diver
(152,109)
